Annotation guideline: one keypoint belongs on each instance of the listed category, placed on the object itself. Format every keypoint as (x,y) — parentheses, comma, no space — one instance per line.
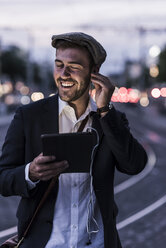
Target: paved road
(150,230)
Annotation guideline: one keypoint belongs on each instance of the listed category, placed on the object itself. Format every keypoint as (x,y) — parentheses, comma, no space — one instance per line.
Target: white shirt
(70,213)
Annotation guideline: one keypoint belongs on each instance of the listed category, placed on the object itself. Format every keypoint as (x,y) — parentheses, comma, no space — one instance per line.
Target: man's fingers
(101,80)
(46,166)
(44,159)
(53,166)
(50,174)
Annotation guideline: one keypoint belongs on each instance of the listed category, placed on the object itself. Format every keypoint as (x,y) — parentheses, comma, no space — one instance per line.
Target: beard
(76,91)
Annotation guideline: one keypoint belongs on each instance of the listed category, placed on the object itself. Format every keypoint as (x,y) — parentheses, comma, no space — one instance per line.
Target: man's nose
(65,72)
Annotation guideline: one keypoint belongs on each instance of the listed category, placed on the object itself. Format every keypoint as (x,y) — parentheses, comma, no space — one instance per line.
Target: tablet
(76,148)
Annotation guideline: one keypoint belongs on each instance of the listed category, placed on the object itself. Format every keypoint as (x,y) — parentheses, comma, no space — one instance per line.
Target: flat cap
(94,47)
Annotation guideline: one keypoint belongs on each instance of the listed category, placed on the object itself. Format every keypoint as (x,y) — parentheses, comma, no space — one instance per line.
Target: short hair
(68,44)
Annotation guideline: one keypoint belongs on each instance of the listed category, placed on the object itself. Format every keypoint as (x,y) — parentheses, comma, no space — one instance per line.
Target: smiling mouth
(67,85)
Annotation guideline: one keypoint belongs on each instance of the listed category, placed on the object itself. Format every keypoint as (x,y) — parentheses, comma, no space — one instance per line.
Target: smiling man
(72,76)
(66,220)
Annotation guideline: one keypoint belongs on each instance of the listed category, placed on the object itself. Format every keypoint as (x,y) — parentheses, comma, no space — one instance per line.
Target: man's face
(72,73)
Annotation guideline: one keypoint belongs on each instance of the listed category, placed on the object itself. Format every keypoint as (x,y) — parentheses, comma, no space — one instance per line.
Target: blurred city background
(133,33)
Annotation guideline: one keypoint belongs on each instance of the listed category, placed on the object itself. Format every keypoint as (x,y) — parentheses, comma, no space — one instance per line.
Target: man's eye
(59,65)
(75,68)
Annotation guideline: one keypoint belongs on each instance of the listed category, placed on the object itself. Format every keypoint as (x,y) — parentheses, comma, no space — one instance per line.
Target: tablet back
(76,148)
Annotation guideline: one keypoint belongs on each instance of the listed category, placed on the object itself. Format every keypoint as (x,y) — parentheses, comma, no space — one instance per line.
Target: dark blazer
(22,144)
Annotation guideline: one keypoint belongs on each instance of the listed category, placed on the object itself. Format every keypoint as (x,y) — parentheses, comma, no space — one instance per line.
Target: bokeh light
(114,97)
(154,51)
(18,85)
(126,95)
(9,100)
(25,100)
(155,93)
(163,92)
(24,90)
(37,96)
(6,88)
(134,95)
(144,101)
(154,71)
(123,95)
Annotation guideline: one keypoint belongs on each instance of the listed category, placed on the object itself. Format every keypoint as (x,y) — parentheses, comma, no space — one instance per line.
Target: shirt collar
(62,105)
(91,106)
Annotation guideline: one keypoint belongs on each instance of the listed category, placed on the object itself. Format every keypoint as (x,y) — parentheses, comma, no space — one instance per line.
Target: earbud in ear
(95,69)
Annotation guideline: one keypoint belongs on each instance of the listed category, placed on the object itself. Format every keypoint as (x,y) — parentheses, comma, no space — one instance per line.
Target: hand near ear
(104,89)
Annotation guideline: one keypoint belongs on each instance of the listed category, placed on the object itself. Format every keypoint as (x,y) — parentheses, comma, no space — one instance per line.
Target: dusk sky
(115,23)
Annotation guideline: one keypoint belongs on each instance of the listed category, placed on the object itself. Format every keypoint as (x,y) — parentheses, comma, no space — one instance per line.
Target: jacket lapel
(96,125)
(49,116)
(50,124)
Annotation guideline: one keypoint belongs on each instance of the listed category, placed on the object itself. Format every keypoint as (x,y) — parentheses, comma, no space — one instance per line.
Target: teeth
(67,84)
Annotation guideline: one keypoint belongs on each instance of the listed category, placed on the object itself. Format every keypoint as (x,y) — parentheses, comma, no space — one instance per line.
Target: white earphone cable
(90,206)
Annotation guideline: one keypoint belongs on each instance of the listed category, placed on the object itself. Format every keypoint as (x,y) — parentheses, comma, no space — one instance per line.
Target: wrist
(103,110)
(103,114)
